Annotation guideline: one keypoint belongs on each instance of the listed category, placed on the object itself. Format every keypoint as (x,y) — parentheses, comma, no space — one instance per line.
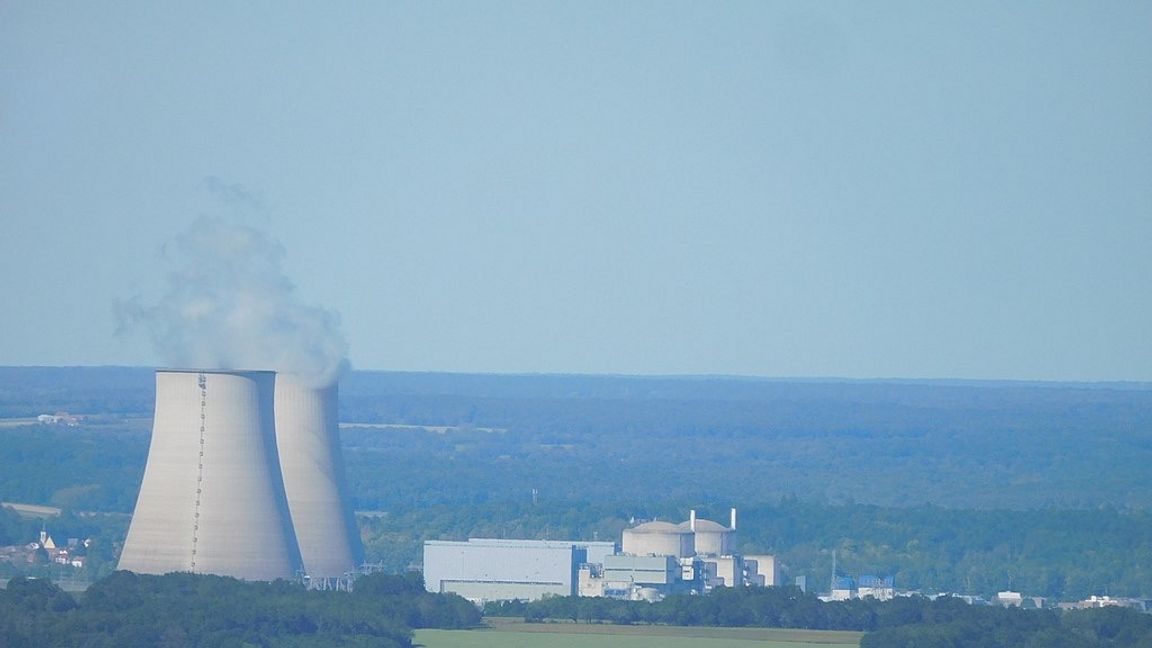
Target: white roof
(707,526)
(658,527)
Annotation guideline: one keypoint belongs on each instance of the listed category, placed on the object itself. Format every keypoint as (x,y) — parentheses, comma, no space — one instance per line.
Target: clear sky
(857,189)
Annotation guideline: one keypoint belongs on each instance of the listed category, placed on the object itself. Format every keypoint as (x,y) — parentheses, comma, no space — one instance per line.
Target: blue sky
(893,189)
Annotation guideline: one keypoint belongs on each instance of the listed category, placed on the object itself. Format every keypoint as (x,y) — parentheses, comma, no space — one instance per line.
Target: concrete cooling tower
(308,438)
(212,499)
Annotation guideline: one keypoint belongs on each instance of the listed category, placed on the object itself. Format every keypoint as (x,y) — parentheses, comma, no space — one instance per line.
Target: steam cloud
(229,305)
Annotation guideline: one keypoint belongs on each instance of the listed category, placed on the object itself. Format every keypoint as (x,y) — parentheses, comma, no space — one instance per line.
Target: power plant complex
(654,559)
(244,478)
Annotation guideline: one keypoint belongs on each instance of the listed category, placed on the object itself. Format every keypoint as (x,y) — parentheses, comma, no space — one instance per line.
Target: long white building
(494,570)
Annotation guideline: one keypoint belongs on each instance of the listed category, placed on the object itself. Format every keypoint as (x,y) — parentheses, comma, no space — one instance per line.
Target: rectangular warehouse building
(500,570)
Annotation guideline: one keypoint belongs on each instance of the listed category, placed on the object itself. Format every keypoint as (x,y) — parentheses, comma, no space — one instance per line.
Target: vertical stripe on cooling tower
(245,530)
(202,382)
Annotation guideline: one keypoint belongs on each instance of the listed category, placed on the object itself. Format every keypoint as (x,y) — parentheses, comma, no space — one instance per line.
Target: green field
(508,634)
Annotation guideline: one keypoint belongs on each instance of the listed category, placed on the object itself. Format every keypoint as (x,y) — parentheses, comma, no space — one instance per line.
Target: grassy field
(516,634)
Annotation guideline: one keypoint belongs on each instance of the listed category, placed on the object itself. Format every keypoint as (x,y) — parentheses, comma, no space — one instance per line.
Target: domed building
(711,538)
(658,539)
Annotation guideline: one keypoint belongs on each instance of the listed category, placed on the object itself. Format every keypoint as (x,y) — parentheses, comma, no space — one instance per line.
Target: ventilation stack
(212,499)
(308,438)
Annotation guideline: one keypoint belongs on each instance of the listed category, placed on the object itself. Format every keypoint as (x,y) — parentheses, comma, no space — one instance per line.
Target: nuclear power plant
(654,559)
(245,479)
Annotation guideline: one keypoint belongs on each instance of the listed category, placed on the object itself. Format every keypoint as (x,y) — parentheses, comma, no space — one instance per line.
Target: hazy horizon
(976,382)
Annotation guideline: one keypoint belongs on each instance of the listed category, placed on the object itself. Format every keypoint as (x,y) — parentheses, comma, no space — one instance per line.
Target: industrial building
(492,570)
(868,586)
(658,538)
(244,479)
(655,559)
(705,556)
(627,576)
(761,570)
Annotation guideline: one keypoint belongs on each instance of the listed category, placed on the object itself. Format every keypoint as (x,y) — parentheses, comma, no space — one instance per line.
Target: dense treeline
(1016,449)
(127,610)
(1054,553)
(15,528)
(902,622)
(957,444)
(29,391)
(1061,554)
(87,468)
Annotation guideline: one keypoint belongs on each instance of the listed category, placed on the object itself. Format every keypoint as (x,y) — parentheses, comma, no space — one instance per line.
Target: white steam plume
(229,305)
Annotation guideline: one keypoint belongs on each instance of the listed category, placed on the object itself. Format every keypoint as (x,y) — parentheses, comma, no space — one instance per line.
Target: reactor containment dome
(711,538)
(657,539)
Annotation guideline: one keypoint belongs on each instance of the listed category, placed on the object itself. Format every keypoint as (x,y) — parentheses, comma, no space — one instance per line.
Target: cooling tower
(308,438)
(212,500)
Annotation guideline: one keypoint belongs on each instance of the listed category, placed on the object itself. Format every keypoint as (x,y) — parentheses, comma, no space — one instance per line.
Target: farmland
(507,633)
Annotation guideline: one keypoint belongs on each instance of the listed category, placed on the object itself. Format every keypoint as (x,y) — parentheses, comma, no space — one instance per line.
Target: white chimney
(732,524)
(692,520)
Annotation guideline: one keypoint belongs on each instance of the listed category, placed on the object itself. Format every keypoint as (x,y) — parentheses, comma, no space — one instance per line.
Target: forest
(126,610)
(962,486)
(957,444)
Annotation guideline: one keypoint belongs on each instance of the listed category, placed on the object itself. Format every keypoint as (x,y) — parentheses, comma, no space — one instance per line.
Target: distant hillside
(618,438)
(28,391)
(952,443)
